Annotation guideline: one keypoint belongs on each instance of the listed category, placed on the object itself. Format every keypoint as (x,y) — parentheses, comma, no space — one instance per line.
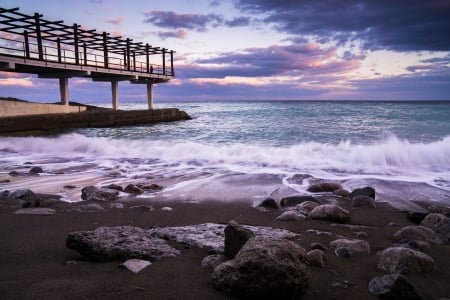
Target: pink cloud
(116,21)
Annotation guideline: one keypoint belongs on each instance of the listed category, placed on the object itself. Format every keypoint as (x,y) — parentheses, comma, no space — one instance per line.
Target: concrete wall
(19,108)
(37,124)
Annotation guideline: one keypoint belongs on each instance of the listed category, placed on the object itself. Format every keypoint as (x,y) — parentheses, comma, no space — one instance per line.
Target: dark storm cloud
(383,24)
(168,19)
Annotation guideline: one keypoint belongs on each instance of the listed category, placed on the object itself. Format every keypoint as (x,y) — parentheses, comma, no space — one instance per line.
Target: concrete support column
(115,95)
(150,95)
(64,90)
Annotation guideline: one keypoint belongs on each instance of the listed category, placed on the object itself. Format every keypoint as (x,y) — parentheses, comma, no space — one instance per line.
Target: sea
(250,150)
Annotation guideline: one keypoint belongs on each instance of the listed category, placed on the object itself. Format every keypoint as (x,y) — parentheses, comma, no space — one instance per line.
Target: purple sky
(265,49)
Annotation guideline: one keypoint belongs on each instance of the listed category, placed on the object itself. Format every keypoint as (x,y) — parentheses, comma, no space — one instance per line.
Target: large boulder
(264,268)
(235,237)
(363,201)
(120,242)
(367,191)
(439,223)
(92,193)
(330,212)
(396,260)
(394,286)
(417,233)
(354,246)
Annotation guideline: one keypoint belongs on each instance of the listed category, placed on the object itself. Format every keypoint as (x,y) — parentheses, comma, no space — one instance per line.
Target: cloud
(19,82)
(168,19)
(177,34)
(238,22)
(395,25)
(116,21)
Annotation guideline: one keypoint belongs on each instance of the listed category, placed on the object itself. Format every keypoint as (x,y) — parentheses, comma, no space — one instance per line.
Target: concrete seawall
(36,124)
(19,108)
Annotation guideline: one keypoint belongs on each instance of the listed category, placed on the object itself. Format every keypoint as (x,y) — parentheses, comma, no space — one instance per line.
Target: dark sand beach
(36,264)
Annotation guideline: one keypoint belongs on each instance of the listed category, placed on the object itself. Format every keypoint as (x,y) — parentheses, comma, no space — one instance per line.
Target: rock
(23,194)
(116,205)
(405,260)
(5,193)
(92,193)
(269,203)
(354,246)
(395,286)
(416,217)
(363,201)
(330,212)
(151,187)
(235,237)
(120,242)
(5,180)
(439,209)
(36,170)
(417,233)
(298,178)
(113,186)
(40,211)
(294,200)
(316,258)
(324,187)
(307,205)
(439,223)
(415,245)
(166,208)
(69,187)
(135,265)
(291,215)
(264,268)
(367,191)
(14,174)
(133,189)
(342,252)
(361,234)
(318,246)
(212,261)
(342,193)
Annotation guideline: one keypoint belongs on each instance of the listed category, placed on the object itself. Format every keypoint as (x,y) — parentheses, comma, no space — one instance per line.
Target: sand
(35,263)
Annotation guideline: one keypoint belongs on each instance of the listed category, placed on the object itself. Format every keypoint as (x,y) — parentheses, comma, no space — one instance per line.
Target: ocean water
(251,150)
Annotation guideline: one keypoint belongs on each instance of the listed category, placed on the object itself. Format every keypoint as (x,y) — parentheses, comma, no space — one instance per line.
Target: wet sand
(35,263)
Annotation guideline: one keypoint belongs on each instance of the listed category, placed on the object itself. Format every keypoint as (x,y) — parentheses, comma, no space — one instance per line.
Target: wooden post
(38,36)
(147,58)
(75,43)
(172,70)
(105,50)
(134,61)
(85,54)
(128,54)
(27,44)
(164,60)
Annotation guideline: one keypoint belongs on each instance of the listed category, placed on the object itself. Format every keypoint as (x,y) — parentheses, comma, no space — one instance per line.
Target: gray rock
(133,189)
(14,174)
(439,223)
(120,242)
(316,258)
(298,178)
(417,233)
(269,203)
(342,193)
(354,246)
(324,187)
(439,209)
(395,286)
(22,194)
(113,186)
(319,246)
(264,268)
(291,216)
(235,237)
(212,261)
(36,170)
(330,212)
(415,245)
(405,260)
(294,200)
(153,187)
(363,201)
(39,211)
(367,191)
(70,186)
(135,265)
(307,205)
(116,205)
(342,252)
(92,193)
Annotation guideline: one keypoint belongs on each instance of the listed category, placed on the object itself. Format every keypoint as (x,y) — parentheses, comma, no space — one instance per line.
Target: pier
(52,49)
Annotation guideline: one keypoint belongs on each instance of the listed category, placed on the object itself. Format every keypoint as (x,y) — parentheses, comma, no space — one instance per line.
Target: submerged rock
(120,242)
(113,186)
(405,260)
(264,268)
(133,189)
(92,193)
(235,237)
(395,286)
(324,187)
(36,170)
(330,212)
(367,191)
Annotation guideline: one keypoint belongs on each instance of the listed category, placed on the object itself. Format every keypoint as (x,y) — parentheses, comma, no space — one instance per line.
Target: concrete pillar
(64,90)
(115,96)
(150,95)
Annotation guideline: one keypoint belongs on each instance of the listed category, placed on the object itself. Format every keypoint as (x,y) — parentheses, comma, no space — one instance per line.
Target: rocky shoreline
(336,244)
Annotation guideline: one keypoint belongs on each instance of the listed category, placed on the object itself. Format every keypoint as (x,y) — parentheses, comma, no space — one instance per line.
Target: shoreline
(35,245)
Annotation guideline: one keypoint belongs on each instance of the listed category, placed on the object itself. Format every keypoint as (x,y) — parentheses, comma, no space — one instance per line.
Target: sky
(264,49)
